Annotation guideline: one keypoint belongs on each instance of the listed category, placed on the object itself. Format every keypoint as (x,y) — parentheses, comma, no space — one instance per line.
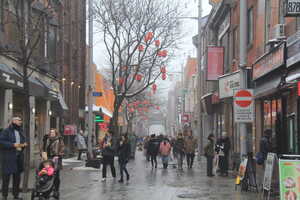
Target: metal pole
(89,80)
(243,64)
(200,86)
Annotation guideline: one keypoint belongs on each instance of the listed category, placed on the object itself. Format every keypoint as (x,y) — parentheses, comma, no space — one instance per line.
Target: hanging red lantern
(164,76)
(124,68)
(149,36)
(121,81)
(141,47)
(154,87)
(163,53)
(131,110)
(146,102)
(138,77)
(157,108)
(163,69)
(157,43)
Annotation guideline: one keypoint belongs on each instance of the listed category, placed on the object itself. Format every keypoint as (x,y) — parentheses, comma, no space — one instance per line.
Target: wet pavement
(79,183)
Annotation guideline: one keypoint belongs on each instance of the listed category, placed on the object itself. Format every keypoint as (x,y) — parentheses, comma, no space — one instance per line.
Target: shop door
(292,136)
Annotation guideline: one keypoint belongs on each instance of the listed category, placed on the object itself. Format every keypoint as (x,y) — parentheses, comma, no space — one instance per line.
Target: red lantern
(164,76)
(148,36)
(146,102)
(154,87)
(121,81)
(157,108)
(141,47)
(157,43)
(163,69)
(131,110)
(163,53)
(138,77)
(124,68)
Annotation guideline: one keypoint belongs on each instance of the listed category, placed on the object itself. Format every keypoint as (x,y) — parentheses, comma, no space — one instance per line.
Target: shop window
(250,27)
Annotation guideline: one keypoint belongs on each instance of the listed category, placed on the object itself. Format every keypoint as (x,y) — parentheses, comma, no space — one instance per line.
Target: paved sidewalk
(80,183)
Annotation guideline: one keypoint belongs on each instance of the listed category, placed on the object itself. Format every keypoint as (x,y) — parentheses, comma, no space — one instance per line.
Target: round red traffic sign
(243,98)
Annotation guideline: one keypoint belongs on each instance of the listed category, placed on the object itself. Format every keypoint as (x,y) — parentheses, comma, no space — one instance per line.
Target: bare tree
(138,35)
(26,22)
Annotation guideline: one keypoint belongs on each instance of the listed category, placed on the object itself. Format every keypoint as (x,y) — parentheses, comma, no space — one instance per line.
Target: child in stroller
(44,184)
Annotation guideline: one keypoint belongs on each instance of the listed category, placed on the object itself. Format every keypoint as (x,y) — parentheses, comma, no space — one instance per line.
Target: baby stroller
(44,185)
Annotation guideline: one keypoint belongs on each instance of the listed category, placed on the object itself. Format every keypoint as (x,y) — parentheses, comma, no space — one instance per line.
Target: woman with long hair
(124,155)
(54,148)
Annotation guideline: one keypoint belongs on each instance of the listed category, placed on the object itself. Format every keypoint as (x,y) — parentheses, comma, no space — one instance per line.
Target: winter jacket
(165,148)
(153,146)
(11,162)
(190,144)
(108,150)
(80,142)
(223,146)
(209,149)
(265,146)
(124,152)
(179,146)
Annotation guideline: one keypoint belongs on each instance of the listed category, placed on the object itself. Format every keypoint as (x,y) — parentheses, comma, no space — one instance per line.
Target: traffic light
(99,118)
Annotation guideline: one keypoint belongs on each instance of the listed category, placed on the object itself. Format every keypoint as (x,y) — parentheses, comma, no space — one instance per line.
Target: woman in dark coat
(124,155)
(54,147)
(12,143)
(108,154)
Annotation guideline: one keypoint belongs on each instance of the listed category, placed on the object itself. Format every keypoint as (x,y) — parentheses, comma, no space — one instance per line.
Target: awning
(52,92)
(267,87)
(293,75)
(206,102)
(9,78)
(62,102)
(97,109)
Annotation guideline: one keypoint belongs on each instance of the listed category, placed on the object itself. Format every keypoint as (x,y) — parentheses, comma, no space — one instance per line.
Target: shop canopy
(98,108)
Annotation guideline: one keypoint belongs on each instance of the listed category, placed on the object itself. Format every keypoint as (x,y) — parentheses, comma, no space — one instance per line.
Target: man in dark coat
(223,149)
(12,143)
(153,150)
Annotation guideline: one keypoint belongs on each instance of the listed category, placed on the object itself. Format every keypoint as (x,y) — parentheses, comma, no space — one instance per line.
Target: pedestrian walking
(132,141)
(179,149)
(146,146)
(209,152)
(153,150)
(265,145)
(165,150)
(124,156)
(54,149)
(223,149)
(190,148)
(108,154)
(80,143)
(12,143)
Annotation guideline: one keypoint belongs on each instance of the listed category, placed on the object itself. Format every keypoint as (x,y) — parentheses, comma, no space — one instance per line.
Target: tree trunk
(113,124)
(26,122)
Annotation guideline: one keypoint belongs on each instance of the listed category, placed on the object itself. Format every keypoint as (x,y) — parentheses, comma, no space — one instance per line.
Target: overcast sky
(189,29)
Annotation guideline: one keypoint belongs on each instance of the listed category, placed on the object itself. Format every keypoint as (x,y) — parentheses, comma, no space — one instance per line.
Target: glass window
(250,27)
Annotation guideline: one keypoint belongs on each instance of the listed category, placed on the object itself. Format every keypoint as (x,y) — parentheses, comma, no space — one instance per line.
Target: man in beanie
(12,143)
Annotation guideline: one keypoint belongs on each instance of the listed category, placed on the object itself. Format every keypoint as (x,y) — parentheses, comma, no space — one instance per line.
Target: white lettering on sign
(8,79)
(243,106)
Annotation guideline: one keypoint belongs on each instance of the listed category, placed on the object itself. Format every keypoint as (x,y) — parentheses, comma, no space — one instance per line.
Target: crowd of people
(170,148)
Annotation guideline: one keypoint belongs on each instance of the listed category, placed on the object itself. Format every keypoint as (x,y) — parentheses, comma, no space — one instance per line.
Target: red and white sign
(185,118)
(70,130)
(215,62)
(243,106)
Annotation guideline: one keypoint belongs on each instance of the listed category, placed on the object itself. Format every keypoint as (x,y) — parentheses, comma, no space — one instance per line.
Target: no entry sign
(243,106)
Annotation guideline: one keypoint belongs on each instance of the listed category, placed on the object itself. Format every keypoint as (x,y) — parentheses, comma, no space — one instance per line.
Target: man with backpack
(153,150)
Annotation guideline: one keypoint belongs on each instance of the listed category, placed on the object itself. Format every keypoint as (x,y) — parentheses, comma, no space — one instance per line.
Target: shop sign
(269,168)
(293,53)
(70,130)
(243,106)
(227,85)
(289,179)
(185,118)
(292,8)
(215,62)
(269,62)
(11,79)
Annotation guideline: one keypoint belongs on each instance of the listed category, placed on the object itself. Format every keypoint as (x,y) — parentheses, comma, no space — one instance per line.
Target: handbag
(44,156)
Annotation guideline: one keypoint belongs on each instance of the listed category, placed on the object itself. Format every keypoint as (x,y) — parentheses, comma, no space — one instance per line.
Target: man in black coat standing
(12,143)
(153,150)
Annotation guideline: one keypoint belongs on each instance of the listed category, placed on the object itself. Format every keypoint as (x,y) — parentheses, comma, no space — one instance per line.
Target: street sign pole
(89,80)
(243,64)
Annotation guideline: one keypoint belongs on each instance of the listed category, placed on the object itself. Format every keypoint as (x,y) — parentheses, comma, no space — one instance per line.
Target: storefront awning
(97,109)
(62,102)
(267,87)
(206,102)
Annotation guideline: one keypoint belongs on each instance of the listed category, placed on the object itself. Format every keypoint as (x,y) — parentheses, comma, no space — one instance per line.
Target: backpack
(260,158)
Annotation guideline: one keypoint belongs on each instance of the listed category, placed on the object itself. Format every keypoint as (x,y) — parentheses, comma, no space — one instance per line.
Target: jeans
(209,166)
(123,169)
(16,184)
(180,157)
(153,158)
(108,160)
(165,160)
(190,159)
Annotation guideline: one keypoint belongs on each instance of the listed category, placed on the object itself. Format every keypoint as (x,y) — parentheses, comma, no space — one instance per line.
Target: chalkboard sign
(269,171)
